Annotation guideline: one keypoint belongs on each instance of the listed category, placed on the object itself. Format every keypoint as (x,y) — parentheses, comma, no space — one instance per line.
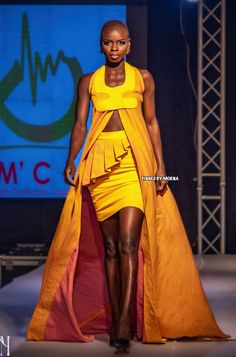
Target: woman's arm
(149,113)
(79,129)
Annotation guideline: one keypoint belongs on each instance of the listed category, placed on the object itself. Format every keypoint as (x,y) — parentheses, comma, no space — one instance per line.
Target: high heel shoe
(123,343)
(113,340)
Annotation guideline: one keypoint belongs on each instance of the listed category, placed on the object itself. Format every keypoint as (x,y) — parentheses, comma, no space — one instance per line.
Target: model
(120,261)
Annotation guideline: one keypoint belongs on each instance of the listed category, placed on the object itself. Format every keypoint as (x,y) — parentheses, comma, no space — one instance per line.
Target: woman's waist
(114,134)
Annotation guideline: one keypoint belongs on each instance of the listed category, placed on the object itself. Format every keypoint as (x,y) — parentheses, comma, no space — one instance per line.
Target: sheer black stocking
(121,234)
(110,231)
(130,223)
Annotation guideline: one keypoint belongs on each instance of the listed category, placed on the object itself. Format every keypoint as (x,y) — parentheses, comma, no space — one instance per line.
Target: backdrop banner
(43,52)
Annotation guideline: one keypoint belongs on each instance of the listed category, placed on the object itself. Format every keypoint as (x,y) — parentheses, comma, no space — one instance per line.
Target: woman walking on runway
(117,195)
(149,264)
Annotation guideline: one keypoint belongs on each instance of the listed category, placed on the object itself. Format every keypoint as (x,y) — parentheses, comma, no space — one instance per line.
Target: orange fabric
(174,303)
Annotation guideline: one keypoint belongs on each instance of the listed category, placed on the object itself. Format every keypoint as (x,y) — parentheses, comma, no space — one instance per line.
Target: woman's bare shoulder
(146,74)
(86,77)
(84,80)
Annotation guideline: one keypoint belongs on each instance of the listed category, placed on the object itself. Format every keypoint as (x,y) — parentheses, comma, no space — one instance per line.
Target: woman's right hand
(69,173)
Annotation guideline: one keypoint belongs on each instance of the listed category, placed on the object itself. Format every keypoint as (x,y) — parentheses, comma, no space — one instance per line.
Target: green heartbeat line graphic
(36,68)
(37,133)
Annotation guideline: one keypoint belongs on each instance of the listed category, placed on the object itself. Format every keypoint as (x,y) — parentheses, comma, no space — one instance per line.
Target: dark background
(159,45)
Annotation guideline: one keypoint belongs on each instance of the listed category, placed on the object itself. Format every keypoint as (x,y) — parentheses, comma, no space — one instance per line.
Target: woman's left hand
(161,183)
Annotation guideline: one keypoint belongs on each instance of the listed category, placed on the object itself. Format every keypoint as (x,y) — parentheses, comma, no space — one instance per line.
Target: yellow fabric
(113,169)
(106,152)
(122,96)
(175,304)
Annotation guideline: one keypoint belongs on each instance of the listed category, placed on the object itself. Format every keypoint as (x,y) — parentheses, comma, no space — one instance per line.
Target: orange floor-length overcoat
(169,300)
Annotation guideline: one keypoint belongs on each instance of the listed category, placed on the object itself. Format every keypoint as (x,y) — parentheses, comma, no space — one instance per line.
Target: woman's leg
(110,232)
(130,224)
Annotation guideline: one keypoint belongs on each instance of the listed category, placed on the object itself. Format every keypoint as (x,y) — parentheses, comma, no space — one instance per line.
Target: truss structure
(211,127)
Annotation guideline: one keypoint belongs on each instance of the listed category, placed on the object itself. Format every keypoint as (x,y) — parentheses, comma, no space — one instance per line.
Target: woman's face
(115,43)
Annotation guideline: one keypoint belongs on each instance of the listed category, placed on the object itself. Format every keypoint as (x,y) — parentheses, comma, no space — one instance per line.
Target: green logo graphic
(37,133)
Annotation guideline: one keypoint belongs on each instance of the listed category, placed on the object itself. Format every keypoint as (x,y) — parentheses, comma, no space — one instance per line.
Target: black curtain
(175,107)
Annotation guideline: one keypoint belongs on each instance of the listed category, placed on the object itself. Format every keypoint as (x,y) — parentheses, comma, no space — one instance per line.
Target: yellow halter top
(127,95)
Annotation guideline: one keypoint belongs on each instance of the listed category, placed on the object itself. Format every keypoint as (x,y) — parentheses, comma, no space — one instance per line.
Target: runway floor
(218,273)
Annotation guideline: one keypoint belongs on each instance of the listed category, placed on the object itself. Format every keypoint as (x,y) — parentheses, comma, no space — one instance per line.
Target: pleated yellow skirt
(111,175)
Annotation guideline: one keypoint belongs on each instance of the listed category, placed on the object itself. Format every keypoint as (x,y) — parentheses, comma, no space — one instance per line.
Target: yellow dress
(118,187)
(110,171)
(169,300)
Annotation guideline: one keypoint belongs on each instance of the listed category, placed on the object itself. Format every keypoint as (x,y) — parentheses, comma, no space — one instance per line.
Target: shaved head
(114,24)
